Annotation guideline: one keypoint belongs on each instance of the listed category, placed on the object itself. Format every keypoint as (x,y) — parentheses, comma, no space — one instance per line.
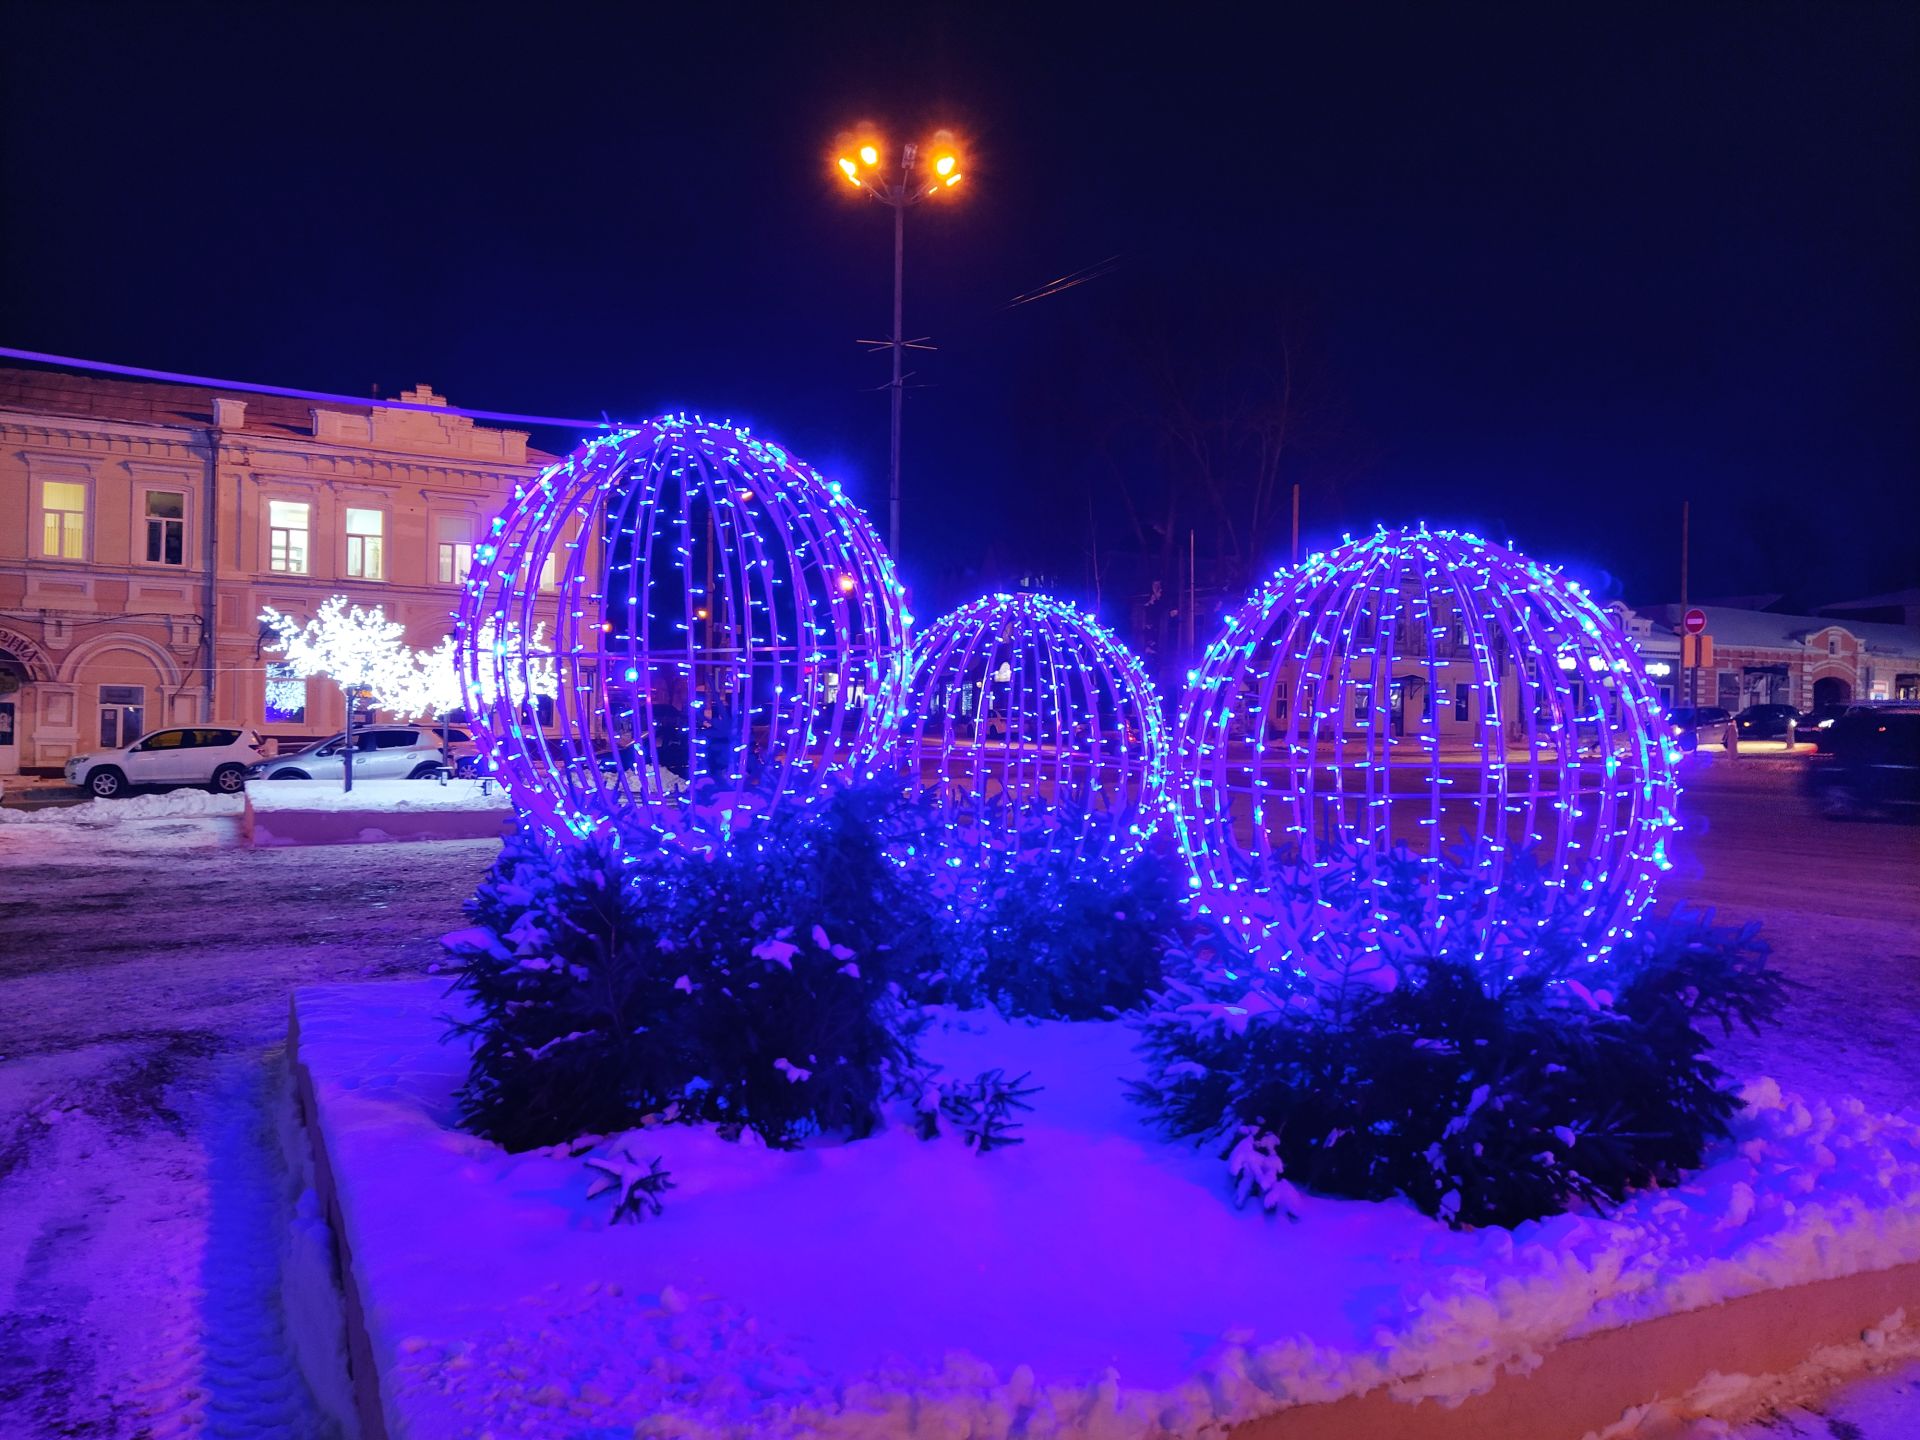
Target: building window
(122,714)
(454,535)
(365,538)
(286,695)
(166,527)
(287,536)
(550,570)
(1463,703)
(1833,645)
(63,519)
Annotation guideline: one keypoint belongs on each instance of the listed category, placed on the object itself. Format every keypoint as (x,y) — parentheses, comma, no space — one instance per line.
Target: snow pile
(326,796)
(1094,1281)
(171,804)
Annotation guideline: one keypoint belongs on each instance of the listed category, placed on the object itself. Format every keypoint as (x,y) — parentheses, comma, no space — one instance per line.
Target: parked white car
(214,756)
(380,752)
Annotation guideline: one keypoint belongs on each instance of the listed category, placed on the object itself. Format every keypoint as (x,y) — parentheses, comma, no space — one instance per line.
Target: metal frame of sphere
(723,612)
(1019,705)
(1431,690)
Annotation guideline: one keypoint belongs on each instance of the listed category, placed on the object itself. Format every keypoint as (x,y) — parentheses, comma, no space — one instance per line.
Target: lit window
(287,536)
(456,558)
(166,527)
(454,534)
(550,570)
(286,695)
(63,519)
(366,533)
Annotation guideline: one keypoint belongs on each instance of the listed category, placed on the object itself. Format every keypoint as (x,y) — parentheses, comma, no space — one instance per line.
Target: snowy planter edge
(361,1369)
(370,1070)
(318,812)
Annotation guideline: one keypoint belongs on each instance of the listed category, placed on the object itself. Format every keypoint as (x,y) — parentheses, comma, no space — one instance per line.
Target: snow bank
(95,813)
(326,796)
(1094,1281)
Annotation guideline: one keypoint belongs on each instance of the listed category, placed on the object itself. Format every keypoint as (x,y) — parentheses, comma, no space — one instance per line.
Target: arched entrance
(13,679)
(21,664)
(1831,691)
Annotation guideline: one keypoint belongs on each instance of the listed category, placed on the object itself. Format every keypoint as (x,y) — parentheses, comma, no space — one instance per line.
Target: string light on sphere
(1432,691)
(721,614)
(1034,727)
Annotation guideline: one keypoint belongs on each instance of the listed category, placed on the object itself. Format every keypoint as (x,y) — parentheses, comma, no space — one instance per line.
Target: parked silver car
(380,752)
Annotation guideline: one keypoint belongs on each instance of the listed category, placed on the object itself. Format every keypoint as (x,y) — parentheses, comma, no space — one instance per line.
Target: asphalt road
(1839,901)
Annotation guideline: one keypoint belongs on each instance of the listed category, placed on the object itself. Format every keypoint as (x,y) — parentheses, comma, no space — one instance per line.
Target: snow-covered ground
(145,966)
(145,963)
(1095,1281)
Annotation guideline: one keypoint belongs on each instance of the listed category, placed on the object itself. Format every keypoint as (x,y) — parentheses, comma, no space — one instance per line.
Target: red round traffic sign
(1695,622)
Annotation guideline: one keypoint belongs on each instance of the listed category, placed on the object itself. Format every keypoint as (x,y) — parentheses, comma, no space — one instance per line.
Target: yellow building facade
(143,527)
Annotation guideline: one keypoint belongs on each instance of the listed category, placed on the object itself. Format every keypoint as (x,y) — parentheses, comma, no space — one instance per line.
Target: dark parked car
(1694,723)
(1821,717)
(1766,722)
(1868,762)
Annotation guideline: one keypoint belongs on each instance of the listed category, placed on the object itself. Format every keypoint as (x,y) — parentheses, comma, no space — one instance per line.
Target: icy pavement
(144,973)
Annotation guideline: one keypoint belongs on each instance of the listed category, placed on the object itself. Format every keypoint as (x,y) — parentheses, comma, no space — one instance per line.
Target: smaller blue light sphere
(1035,729)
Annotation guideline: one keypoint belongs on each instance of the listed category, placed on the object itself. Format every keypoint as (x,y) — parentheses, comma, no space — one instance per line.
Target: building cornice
(118,438)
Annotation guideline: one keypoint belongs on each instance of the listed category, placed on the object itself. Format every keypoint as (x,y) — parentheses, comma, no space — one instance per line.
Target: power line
(173,377)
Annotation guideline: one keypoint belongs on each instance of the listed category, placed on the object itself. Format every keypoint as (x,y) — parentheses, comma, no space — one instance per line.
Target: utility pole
(1689,644)
(862,168)
(899,350)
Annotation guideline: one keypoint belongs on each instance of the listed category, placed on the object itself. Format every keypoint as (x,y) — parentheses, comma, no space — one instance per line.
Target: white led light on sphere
(723,614)
(1433,691)
(1034,728)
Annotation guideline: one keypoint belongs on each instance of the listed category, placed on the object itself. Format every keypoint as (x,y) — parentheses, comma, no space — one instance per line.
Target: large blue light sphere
(1036,731)
(710,615)
(1427,690)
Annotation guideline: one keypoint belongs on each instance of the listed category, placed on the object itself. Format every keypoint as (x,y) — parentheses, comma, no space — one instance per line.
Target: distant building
(1760,658)
(144,526)
(1899,607)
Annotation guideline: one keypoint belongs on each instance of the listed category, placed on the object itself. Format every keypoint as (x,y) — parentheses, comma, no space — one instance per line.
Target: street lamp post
(912,182)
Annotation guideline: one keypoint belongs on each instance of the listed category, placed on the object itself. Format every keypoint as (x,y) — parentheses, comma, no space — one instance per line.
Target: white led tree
(359,650)
(519,670)
(363,652)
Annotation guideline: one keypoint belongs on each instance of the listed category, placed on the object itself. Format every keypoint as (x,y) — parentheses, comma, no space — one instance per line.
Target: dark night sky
(1564,265)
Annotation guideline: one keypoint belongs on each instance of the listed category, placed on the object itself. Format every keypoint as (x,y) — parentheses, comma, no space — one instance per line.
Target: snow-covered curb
(1093,1282)
(319,812)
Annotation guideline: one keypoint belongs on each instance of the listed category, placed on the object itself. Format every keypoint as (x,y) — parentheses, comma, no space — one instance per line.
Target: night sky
(1542,270)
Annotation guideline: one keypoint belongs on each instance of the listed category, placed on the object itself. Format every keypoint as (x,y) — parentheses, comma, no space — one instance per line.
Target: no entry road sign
(1695,622)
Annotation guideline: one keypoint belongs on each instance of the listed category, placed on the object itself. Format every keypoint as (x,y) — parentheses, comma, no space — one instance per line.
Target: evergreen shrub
(754,985)
(1035,932)
(1388,1054)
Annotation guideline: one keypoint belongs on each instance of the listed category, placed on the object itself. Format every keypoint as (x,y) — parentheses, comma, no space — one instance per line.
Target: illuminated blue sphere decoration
(1035,729)
(726,618)
(1433,691)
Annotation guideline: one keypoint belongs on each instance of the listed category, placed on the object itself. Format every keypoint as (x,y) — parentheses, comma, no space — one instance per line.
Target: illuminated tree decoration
(723,614)
(359,650)
(1034,728)
(1433,691)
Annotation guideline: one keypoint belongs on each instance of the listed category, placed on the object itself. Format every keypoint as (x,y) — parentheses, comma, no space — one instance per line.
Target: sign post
(1695,625)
